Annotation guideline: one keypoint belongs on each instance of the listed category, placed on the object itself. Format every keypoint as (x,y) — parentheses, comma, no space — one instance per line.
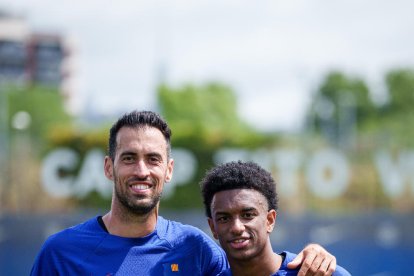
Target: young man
(132,239)
(241,205)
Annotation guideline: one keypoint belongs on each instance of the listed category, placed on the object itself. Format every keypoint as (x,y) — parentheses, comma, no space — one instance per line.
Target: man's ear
(271,220)
(170,169)
(213,230)
(109,168)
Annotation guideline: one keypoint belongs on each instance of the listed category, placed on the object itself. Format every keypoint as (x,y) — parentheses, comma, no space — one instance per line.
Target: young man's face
(241,223)
(140,168)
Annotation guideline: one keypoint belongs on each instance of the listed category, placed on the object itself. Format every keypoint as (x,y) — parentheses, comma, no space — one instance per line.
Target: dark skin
(242,224)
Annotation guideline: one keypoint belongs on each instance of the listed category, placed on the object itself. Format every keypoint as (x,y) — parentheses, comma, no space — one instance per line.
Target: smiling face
(242,224)
(140,169)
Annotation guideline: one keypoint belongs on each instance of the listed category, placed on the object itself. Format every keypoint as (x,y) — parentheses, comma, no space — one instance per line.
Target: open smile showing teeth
(239,243)
(140,187)
(239,240)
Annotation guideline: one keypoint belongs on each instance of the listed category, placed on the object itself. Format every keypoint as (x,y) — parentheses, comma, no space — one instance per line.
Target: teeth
(239,241)
(140,187)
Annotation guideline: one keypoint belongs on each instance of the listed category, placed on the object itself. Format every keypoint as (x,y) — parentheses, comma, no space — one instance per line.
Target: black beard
(136,208)
(130,205)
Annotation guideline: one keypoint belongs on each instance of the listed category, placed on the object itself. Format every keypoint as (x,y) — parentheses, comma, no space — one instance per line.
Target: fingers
(330,267)
(309,257)
(317,261)
(315,267)
(296,261)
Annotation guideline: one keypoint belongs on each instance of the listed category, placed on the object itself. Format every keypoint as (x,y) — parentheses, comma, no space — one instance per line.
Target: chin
(240,256)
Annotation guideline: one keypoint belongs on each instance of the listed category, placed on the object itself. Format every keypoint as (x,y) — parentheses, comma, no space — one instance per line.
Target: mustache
(140,179)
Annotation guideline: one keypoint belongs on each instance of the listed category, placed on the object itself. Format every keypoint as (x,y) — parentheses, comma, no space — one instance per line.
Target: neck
(264,264)
(123,223)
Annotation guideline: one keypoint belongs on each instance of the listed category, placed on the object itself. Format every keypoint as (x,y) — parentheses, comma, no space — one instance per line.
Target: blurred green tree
(400,85)
(45,109)
(203,119)
(342,91)
(341,103)
(205,115)
(397,113)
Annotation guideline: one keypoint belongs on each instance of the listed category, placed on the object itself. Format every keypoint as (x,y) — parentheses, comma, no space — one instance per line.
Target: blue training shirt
(285,271)
(172,249)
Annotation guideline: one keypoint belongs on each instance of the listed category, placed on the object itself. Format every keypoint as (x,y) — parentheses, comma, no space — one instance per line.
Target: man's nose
(141,169)
(237,227)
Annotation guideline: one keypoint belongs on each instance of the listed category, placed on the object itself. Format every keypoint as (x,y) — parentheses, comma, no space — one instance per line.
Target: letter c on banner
(55,184)
(334,184)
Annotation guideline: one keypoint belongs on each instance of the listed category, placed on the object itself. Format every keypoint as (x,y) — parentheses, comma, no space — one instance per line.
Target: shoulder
(65,247)
(177,233)
(191,241)
(77,235)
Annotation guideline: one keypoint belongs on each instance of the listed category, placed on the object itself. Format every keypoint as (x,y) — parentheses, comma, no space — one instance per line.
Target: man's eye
(222,219)
(154,159)
(248,215)
(128,158)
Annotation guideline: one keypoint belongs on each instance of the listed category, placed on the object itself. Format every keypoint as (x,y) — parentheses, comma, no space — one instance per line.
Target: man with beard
(132,239)
(241,205)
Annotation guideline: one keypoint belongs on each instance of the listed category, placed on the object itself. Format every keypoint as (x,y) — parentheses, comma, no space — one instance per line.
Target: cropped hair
(238,175)
(139,119)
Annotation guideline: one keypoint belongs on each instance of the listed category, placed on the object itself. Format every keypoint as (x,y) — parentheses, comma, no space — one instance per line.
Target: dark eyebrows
(220,213)
(154,154)
(249,209)
(133,153)
(244,210)
(127,153)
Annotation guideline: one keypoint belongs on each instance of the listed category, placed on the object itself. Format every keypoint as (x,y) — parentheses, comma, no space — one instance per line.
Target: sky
(274,54)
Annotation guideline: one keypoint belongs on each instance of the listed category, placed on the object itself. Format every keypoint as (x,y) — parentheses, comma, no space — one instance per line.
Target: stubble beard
(130,202)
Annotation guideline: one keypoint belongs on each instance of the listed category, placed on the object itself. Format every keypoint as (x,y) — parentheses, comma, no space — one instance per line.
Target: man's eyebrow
(127,153)
(246,209)
(249,209)
(221,213)
(156,154)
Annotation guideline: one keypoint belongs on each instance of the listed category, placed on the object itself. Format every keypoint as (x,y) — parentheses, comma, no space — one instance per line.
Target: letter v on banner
(391,172)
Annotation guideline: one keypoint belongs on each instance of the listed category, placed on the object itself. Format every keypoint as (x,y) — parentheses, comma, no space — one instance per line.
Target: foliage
(400,85)
(205,115)
(390,129)
(204,119)
(378,121)
(81,141)
(339,97)
(45,107)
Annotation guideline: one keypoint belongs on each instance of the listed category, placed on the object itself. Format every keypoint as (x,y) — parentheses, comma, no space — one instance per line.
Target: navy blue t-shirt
(172,249)
(285,271)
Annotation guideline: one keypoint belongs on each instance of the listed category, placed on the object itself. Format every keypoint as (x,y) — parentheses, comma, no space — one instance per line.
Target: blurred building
(33,58)
(13,51)
(45,55)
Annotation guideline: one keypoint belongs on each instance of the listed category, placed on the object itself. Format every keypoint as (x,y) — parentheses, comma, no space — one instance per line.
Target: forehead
(238,199)
(143,137)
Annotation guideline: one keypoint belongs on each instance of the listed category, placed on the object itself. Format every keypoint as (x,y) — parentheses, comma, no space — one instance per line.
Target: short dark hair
(238,175)
(139,119)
